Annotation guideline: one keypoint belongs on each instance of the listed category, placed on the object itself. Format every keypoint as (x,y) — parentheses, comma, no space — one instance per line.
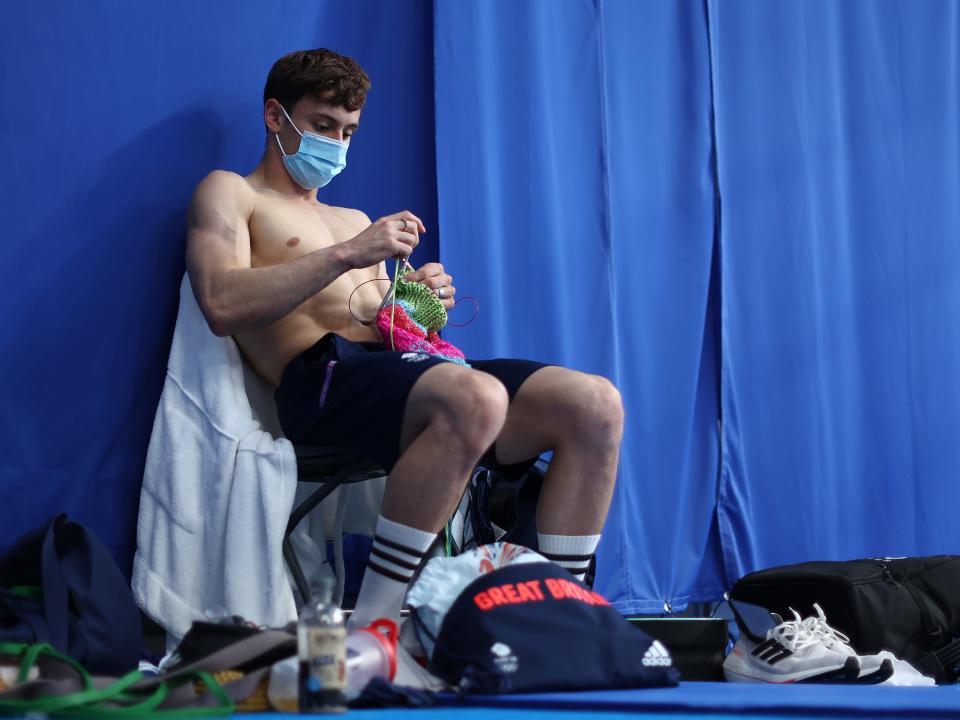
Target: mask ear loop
(277,135)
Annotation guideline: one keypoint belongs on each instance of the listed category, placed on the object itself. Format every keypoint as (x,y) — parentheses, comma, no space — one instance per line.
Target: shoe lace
(794,634)
(818,626)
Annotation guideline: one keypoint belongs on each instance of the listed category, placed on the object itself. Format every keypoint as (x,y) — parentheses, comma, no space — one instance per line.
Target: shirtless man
(274,267)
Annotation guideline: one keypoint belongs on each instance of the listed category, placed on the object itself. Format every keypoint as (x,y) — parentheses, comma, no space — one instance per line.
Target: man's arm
(235,296)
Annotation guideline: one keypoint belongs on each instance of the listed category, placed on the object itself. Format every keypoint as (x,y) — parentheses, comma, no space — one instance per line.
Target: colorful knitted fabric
(413,320)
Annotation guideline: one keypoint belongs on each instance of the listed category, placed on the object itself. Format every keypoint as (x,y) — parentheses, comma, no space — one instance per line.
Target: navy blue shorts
(352,396)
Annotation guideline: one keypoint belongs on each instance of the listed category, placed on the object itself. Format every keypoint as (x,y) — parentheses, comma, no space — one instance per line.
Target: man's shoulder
(221,190)
(225,181)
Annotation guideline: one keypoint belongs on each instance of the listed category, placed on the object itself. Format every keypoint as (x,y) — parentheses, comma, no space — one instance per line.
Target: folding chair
(330,468)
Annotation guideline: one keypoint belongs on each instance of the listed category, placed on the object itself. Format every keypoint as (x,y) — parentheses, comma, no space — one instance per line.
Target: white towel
(217,489)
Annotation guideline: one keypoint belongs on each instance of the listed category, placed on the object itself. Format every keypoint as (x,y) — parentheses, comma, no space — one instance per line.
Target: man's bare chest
(280,233)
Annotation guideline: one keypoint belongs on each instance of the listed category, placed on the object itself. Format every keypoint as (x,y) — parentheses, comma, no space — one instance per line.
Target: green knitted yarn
(423,307)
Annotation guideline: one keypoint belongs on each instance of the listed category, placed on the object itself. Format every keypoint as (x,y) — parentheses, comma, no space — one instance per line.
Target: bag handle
(55,600)
(949,657)
(942,664)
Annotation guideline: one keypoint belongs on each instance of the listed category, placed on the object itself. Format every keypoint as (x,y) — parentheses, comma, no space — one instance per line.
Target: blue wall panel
(111,112)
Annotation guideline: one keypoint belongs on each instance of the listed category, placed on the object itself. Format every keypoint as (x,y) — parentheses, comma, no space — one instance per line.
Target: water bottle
(321,651)
(371,652)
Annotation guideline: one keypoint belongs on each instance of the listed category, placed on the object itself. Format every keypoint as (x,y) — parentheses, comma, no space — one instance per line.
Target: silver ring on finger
(440,293)
(406,224)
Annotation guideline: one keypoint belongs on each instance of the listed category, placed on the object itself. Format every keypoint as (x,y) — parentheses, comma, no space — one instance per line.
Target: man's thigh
(433,391)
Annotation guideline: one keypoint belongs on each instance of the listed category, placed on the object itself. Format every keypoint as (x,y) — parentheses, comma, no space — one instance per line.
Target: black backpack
(909,606)
(59,585)
(508,499)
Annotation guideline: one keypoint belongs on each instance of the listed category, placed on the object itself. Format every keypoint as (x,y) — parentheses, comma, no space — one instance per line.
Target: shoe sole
(881,674)
(850,670)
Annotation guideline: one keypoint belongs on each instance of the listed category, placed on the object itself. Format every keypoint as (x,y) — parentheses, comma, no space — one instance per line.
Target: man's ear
(272,115)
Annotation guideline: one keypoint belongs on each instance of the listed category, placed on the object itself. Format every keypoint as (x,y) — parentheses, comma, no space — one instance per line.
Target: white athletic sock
(395,556)
(571,551)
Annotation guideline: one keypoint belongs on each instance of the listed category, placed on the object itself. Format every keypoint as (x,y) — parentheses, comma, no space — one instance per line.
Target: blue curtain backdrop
(575,156)
(577,202)
(625,187)
(110,114)
(838,138)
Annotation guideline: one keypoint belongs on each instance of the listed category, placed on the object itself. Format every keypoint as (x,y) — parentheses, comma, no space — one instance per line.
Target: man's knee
(597,409)
(475,406)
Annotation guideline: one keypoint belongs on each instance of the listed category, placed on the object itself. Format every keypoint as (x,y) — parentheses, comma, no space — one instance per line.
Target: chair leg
(314,499)
(298,514)
(299,579)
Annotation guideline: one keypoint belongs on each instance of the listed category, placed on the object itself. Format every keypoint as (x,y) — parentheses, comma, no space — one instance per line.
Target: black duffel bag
(909,606)
(59,585)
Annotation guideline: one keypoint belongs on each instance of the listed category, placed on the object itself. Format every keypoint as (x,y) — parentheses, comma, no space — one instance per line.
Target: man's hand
(433,276)
(393,235)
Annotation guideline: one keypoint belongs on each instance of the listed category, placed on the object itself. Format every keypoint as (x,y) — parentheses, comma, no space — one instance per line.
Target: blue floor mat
(503,714)
(846,700)
(690,701)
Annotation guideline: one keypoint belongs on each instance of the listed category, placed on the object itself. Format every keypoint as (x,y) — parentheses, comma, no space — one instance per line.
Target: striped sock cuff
(398,550)
(573,552)
(577,565)
(393,560)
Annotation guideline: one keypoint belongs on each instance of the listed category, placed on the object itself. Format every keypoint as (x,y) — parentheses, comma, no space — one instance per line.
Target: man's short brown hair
(321,74)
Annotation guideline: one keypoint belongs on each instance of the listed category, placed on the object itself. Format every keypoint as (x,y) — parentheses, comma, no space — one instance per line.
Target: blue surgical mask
(318,160)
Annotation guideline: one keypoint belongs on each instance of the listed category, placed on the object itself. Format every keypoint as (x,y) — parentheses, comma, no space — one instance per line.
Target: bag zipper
(864,579)
(933,630)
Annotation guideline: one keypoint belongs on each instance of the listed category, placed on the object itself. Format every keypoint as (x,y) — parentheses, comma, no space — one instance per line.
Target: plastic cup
(371,652)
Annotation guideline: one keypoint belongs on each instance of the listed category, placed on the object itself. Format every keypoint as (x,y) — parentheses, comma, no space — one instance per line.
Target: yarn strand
(350,300)
(393,299)
(476,311)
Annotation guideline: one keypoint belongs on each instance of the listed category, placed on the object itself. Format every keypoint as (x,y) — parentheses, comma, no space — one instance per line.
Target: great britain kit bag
(502,618)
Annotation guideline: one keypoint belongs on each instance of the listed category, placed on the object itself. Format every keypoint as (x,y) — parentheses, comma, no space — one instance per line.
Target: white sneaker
(791,652)
(873,668)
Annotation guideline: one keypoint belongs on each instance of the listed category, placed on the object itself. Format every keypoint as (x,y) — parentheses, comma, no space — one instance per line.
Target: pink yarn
(408,336)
